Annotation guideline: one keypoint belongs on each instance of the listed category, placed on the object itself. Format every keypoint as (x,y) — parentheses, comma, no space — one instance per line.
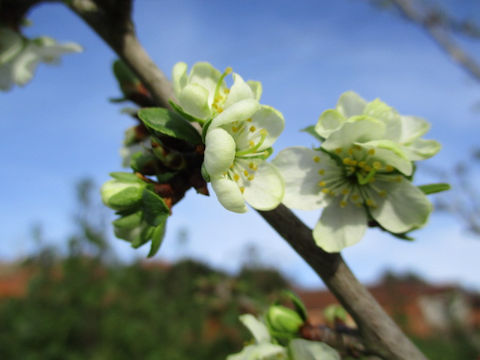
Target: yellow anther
(322,183)
(343,203)
(346,191)
(245,172)
(226,91)
(263,132)
(321,172)
(377,165)
(252,166)
(346,161)
(251,143)
(252,128)
(353,162)
(218,98)
(236,177)
(242,189)
(251,177)
(234,128)
(370,202)
(355,197)
(350,151)
(362,164)
(231,166)
(326,191)
(388,168)
(220,109)
(357,147)
(215,106)
(382,193)
(367,168)
(371,152)
(316,159)
(338,150)
(249,120)
(398,178)
(228,70)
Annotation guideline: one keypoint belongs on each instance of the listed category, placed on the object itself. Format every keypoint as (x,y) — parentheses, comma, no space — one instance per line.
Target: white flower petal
(404,208)
(272,121)
(300,175)
(239,91)
(219,151)
(421,149)
(179,77)
(264,351)
(256,328)
(239,111)
(206,75)
(24,64)
(340,227)
(229,195)
(265,191)
(361,130)
(302,349)
(194,100)
(412,127)
(350,104)
(389,153)
(256,87)
(330,121)
(379,110)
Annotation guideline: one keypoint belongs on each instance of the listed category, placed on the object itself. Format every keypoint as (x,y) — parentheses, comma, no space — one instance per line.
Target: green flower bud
(119,195)
(282,321)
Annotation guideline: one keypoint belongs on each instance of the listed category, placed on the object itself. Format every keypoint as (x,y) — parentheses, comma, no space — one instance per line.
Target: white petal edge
(179,77)
(340,227)
(239,91)
(350,104)
(256,328)
(266,190)
(194,100)
(219,151)
(404,208)
(271,120)
(229,194)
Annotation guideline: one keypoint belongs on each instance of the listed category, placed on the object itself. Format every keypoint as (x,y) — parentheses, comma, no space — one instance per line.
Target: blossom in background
(19,56)
(359,173)
(203,93)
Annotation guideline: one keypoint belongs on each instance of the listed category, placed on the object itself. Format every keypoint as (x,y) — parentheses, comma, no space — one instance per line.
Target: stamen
(316,159)
(350,151)
(249,119)
(242,189)
(245,172)
(226,91)
(251,177)
(326,191)
(371,152)
(377,165)
(322,183)
(236,177)
(389,168)
(370,203)
(346,191)
(338,150)
(321,172)
(343,203)
(252,128)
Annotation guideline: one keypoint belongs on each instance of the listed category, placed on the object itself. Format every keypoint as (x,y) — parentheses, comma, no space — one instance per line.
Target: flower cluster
(20,56)
(238,133)
(361,172)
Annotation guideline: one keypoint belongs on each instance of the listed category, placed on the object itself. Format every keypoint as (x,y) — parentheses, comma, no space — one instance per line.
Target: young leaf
(182,113)
(124,177)
(434,188)
(157,237)
(168,123)
(155,209)
(297,303)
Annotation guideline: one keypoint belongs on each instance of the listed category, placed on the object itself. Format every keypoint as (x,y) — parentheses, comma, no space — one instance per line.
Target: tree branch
(436,29)
(111,20)
(381,335)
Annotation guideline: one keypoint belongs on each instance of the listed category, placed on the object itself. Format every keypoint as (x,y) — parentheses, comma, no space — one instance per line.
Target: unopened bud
(120,195)
(283,321)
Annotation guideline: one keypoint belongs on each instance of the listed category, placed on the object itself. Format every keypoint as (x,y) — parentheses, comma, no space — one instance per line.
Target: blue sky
(60,127)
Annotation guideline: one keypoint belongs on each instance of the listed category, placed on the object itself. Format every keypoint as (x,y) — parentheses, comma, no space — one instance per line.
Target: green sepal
(117,100)
(403,236)
(165,176)
(155,209)
(165,122)
(144,237)
(157,238)
(125,177)
(334,312)
(129,221)
(434,188)
(205,129)
(183,114)
(311,130)
(205,174)
(297,303)
(127,80)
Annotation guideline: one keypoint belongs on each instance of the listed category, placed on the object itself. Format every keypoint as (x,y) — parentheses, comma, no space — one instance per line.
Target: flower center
(354,180)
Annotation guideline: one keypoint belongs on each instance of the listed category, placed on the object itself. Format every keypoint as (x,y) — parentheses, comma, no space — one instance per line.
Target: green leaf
(145,235)
(165,122)
(140,161)
(127,80)
(155,209)
(157,237)
(434,188)
(311,130)
(125,177)
(183,114)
